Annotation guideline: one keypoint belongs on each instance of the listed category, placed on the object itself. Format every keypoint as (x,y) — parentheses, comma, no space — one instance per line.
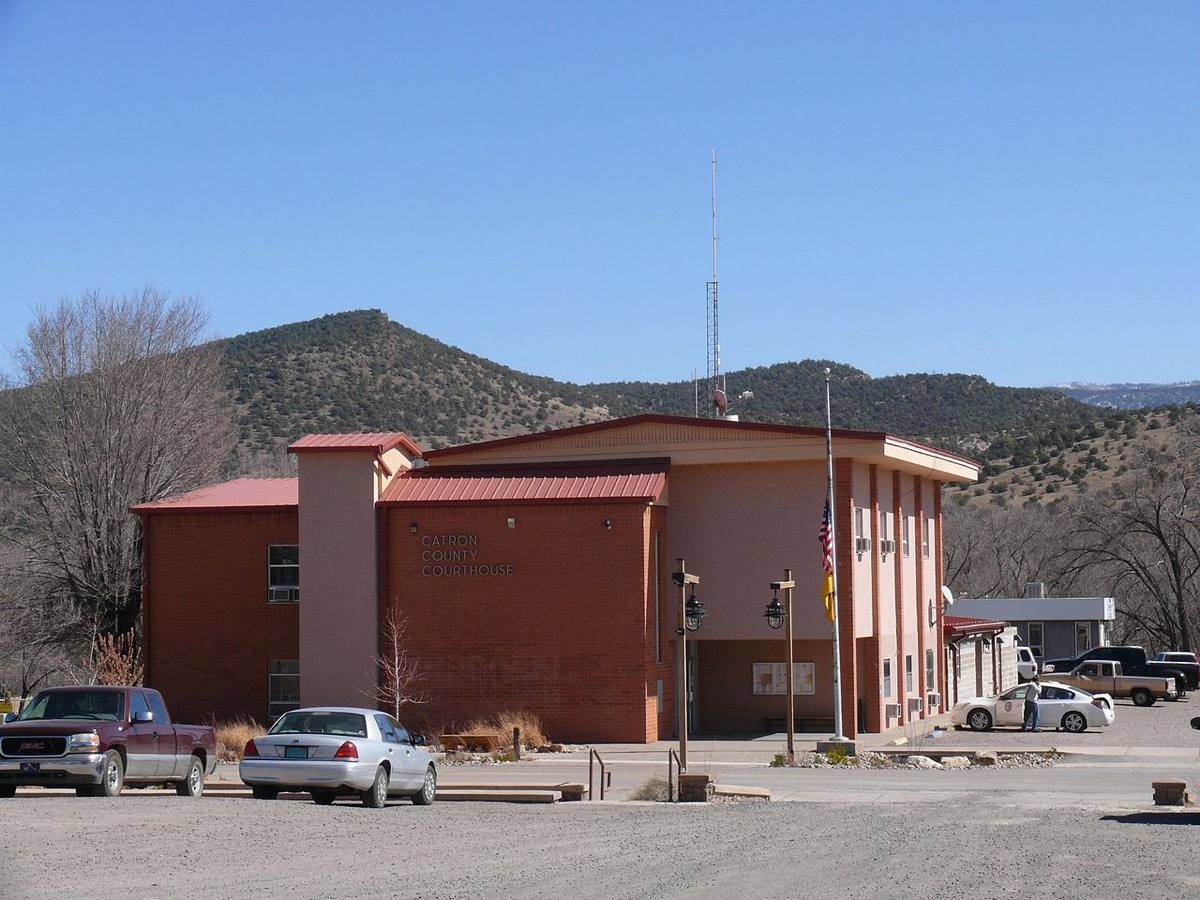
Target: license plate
(295,753)
(31,768)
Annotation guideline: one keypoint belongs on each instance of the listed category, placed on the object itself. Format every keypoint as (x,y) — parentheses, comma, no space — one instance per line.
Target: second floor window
(283,573)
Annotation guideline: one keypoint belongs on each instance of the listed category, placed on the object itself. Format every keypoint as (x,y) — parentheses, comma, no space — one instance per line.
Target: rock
(923,762)
(986,758)
(955,762)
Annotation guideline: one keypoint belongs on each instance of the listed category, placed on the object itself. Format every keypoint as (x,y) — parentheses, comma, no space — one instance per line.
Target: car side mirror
(419,739)
(12,717)
(142,716)
(1196,723)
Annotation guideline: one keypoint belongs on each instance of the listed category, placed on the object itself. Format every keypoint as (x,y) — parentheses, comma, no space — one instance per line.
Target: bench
(484,742)
(774,724)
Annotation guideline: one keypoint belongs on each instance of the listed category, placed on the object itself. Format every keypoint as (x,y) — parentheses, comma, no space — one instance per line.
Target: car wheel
(193,784)
(1074,722)
(323,798)
(376,795)
(7,790)
(112,778)
(259,792)
(1142,697)
(428,790)
(979,720)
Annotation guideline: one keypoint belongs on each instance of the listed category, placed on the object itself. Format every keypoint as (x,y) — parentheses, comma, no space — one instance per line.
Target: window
(1083,636)
(908,673)
(862,543)
(886,542)
(930,669)
(283,573)
(887,678)
(906,535)
(1036,641)
(927,537)
(283,686)
(137,704)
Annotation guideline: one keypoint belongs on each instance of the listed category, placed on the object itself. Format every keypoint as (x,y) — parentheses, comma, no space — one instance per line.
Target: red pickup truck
(97,739)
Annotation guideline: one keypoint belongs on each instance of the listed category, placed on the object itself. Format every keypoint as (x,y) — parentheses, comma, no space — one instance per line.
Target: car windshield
(321,722)
(81,704)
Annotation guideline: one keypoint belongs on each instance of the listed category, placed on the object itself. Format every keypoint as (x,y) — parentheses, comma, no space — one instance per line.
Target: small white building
(1052,627)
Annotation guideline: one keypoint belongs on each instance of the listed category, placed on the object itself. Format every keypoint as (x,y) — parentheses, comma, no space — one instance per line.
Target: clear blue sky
(1006,189)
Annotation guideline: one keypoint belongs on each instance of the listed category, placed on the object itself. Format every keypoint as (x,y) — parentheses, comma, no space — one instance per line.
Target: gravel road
(1087,829)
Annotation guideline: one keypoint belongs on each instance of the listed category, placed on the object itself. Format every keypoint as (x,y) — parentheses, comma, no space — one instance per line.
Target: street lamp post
(691,614)
(776,615)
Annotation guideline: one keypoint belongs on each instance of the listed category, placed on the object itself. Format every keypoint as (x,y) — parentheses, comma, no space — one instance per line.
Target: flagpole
(838,734)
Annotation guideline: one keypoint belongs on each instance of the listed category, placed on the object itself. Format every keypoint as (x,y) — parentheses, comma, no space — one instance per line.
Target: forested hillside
(359,371)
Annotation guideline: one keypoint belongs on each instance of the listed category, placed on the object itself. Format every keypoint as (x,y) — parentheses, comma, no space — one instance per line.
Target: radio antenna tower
(718,401)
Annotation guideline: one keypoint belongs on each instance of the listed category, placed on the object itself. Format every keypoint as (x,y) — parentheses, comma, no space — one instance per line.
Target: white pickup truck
(1102,676)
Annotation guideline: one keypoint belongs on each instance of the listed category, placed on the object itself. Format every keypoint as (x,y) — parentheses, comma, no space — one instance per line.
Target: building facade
(536,574)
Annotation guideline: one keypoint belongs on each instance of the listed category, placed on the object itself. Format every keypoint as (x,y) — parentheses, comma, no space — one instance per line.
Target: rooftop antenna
(719,401)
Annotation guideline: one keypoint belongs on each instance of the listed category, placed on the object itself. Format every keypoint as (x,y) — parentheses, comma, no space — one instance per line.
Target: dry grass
(657,789)
(232,737)
(532,733)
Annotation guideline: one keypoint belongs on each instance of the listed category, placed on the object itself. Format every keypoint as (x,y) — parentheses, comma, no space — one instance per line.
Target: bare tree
(994,551)
(399,672)
(1144,535)
(114,403)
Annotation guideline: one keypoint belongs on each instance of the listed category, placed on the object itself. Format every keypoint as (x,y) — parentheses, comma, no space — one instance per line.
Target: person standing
(1032,691)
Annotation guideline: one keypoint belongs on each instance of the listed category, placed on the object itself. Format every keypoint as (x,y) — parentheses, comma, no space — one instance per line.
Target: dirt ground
(1085,828)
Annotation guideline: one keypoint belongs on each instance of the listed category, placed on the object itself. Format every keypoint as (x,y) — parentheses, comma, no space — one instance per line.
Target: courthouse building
(534,573)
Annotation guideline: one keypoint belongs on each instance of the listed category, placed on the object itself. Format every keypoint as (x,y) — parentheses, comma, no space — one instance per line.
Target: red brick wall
(566,633)
(209,630)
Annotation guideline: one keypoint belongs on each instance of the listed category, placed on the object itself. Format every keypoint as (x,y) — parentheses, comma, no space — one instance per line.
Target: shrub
(656,789)
(232,737)
(503,723)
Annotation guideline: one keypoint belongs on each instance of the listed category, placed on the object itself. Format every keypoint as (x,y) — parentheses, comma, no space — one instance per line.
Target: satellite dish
(720,400)
(947,595)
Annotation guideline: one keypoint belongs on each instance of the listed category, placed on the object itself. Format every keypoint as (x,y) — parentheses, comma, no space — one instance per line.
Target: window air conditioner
(892,710)
(862,545)
(934,699)
(283,594)
(915,704)
(886,547)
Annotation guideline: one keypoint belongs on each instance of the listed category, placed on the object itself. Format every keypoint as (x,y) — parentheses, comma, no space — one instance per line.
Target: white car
(333,750)
(1059,706)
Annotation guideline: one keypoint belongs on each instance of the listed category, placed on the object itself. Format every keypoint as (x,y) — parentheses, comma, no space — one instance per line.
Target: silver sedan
(329,751)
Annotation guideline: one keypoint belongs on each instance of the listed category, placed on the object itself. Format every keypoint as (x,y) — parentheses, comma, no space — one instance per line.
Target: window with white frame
(906,535)
(283,686)
(886,544)
(930,669)
(927,538)
(283,573)
(887,678)
(908,673)
(1036,640)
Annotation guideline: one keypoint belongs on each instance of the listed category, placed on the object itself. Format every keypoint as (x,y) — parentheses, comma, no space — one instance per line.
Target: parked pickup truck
(1134,661)
(1104,676)
(98,739)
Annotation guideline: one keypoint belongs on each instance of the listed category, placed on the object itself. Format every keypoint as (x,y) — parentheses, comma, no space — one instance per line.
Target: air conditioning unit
(862,545)
(283,594)
(891,710)
(934,699)
(915,704)
(886,547)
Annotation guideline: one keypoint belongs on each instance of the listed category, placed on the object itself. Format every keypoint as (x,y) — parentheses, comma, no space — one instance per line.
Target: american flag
(825,536)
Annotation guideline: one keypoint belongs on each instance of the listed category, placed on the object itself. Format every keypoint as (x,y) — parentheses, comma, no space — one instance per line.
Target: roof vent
(1035,590)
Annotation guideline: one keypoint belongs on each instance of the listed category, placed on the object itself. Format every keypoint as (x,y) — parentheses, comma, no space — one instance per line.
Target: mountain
(1133,396)
(359,371)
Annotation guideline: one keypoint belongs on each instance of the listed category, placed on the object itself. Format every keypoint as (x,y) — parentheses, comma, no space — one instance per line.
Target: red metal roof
(241,493)
(963,626)
(377,442)
(641,481)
